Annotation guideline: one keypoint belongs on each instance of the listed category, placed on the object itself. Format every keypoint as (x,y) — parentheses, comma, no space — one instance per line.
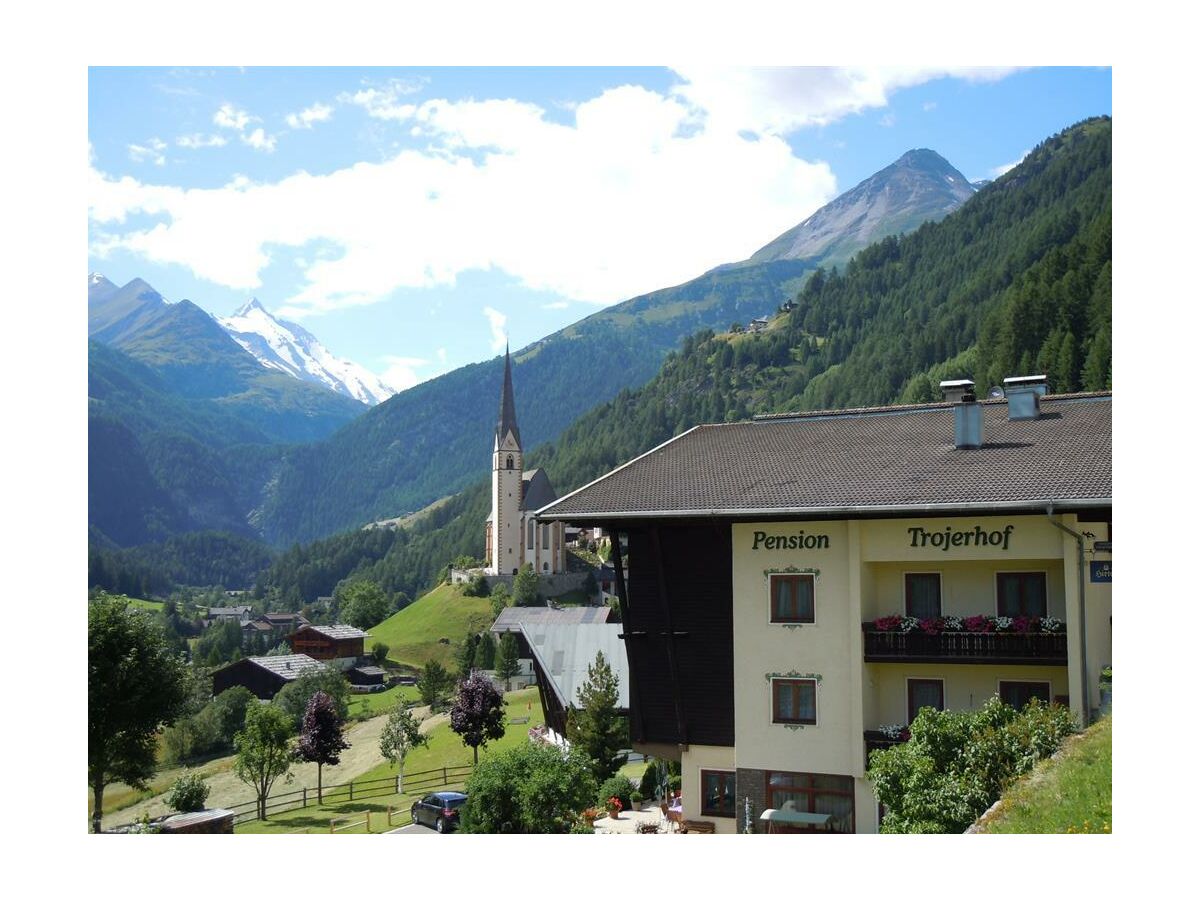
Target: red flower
(931,626)
(978,624)
(887,623)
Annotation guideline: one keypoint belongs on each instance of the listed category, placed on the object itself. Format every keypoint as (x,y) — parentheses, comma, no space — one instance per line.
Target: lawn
(1071,794)
(415,635)
(367,706)
(445,749)
(152,605)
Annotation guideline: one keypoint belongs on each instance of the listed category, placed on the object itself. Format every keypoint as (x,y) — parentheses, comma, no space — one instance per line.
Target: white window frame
(771,602)
(816,701)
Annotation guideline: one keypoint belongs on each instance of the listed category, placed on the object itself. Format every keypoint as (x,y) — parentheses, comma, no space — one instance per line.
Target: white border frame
(771,602)
(816,701)
(700,770)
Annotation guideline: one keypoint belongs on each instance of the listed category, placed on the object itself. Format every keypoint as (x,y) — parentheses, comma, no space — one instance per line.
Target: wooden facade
(261,682)
(310,641)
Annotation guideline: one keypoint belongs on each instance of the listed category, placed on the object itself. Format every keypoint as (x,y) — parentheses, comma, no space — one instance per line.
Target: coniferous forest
(1016,282)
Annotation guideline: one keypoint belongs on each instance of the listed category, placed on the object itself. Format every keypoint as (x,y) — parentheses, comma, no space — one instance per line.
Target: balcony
(984,648)
(878,740)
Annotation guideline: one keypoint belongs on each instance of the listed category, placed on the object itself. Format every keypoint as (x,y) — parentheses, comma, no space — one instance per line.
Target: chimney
(1024,393)
(968,414)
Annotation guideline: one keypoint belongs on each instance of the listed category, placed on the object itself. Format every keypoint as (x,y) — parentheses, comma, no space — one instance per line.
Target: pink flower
(887,623)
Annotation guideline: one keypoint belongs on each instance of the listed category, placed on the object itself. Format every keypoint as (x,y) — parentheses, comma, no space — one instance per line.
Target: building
(777,569)
(264,676)
(218,614)
(513,534)
(341,645)
(562,653)
(512,618)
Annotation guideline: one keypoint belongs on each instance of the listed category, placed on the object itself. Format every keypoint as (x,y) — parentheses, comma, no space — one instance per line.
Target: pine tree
(508,663)
(485,653)
(595,726)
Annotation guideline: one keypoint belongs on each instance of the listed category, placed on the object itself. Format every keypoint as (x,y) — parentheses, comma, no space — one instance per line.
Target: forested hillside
(996,289)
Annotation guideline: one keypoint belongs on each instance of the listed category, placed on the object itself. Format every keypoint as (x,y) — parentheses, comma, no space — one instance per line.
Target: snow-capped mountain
(286,346)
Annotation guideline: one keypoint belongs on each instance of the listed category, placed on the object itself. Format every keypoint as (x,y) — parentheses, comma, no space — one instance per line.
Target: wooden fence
(361,789)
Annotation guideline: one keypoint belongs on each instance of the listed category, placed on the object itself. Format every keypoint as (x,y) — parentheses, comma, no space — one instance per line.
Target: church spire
(508,409)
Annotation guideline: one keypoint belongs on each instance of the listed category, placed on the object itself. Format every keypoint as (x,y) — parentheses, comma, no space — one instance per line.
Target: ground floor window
(807,792)
(925,692)
(718,795)
(1018,693)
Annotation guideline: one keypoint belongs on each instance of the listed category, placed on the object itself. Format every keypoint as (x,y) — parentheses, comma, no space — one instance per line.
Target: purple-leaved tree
(478,712)
(321,738)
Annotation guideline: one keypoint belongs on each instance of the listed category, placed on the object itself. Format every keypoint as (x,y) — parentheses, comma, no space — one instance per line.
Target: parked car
(439,811)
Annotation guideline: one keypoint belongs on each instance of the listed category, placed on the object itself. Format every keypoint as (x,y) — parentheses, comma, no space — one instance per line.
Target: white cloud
(152,150)
(497,320)
(318,112)
(997,171)
(259,140)
(384,102)
(401,372)
(229,116)
(197,141)
(780,100)
(638,190)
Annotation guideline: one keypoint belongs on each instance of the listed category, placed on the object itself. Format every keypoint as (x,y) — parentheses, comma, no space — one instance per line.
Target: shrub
(617,786)
(188,793)
(635,799)
(676,782)
(379,652)
(530,789)
(649,785)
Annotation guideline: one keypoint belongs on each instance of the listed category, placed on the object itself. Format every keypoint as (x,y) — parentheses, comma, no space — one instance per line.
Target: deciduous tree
(401,734)
(321,739)
(364,604)
(264,752)
(135,686)
(478,712)
(529,789)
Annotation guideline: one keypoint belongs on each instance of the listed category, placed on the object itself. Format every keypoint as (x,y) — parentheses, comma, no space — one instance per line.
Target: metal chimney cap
(961,384)
(1024,381)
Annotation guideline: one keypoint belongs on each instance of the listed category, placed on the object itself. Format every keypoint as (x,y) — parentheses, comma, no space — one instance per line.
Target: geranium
(931,626)
(613,804)
(887,623)
(978,624)
(894,732)
(1024,624)
(1003,623)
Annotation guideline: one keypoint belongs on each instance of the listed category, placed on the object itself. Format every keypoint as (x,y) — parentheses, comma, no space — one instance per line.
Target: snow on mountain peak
(288,348)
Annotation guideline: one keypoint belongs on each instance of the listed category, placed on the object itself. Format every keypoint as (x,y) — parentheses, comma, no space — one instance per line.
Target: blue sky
(412,218)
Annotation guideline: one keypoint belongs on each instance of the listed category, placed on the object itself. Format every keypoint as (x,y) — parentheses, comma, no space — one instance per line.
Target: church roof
(536,490)
(508,409)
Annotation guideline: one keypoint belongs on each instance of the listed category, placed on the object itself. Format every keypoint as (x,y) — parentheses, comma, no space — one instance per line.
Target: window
(924,692)
(530,535)
(794,701)
(718,795)
(923,595)
(546,536)
(792,598)
(804,792)
(1020,594)
(1018,693)
(510,464)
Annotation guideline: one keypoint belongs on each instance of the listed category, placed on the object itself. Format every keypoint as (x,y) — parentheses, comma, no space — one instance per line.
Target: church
(514,535)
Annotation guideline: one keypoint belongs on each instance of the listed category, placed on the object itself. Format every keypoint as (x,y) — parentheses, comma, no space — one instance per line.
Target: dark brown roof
(863,461)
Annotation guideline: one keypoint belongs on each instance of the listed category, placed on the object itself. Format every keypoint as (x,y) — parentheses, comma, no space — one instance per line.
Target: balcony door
(925,692)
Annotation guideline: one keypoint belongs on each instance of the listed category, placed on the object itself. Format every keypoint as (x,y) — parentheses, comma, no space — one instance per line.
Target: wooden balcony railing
(996,648)
(877,740)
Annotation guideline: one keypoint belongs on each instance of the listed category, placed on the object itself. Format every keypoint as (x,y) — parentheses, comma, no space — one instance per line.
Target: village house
(264,676)
(799,586)
(513,618)
(218,614)
(340,645)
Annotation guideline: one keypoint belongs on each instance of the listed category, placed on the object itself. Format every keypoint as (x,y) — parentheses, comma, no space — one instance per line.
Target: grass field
(414,634)
(445,749)
(366,706)
(1071,794)
(152,605)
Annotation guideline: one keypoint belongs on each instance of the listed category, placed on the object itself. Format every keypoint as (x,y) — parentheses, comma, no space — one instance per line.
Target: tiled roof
(291,666)
(511,618)
(892,458)
(565,651)
(335,632)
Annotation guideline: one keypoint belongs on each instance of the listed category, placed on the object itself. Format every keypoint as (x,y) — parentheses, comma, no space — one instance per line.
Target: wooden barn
(264,676)
(328,641)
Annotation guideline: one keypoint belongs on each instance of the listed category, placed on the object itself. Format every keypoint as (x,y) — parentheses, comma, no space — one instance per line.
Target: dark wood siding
(261,683)
(697,571)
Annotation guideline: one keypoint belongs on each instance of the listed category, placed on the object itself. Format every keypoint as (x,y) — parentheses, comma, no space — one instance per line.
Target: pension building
(795,588)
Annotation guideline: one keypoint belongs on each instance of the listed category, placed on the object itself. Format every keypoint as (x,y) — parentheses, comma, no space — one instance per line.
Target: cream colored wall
(964,687)
(695,758)
(1031,537)
(968,587)
(508,541)
(1098,600)
(829,649)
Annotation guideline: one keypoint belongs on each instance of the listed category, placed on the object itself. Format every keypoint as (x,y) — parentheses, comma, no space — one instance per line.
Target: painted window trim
(790,623)
(732,773)
(795,724)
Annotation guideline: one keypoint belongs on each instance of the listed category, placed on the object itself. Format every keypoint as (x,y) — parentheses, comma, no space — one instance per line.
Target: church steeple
(508,409)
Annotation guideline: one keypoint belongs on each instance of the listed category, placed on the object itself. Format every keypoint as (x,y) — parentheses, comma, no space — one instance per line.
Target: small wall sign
(1102,571)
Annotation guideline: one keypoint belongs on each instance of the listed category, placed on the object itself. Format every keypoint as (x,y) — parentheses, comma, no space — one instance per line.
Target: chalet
(256,630)
(511,620)
(759,324)
(283,623)
(799,586)
(341,644)
(264,676)
(561,656)
(227,613)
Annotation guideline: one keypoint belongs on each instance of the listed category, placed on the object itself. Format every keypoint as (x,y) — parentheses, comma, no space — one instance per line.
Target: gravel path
(226,790)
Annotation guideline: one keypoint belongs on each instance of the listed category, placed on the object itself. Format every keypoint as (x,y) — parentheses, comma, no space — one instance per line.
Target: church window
(546,537)
(510,461)
(530,535)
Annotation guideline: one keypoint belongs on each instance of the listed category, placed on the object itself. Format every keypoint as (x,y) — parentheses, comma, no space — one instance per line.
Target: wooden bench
(690,826)
(519,720)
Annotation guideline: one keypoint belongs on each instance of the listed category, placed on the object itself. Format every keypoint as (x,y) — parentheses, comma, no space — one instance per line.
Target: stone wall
(548,585)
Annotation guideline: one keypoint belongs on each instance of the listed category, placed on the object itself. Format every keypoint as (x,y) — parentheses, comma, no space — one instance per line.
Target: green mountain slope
(996,288)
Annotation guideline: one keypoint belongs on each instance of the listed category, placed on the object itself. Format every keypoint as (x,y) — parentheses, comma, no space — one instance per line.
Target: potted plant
(613,805)
(590,815)
(635,800)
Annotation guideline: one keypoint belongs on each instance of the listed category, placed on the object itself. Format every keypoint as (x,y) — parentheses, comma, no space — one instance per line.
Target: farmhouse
(340,644)
(561,656)
(264,676)
(799,586)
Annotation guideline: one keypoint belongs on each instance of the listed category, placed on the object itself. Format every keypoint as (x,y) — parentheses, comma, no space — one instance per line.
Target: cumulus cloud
(401,372)
(229,116)
(497,322)
(197,141)
(152,150)
(259,140)
(780,100)
(638,189)
(318,112)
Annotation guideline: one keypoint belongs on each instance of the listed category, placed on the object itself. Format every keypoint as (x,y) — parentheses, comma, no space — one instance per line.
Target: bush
(649,785)
(530,789)
(379,652)
(188,793)
(617,786)
(635,799)
(477,587)
(676,782)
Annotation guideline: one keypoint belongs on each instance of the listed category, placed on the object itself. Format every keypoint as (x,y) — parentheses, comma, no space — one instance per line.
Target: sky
(416,219)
